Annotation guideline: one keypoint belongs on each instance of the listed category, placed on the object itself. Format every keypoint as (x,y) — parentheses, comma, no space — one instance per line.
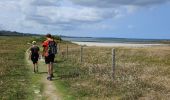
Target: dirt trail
(49,91)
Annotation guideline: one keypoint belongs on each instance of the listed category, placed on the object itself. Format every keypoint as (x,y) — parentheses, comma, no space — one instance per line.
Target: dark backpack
(34,50)
(52,47)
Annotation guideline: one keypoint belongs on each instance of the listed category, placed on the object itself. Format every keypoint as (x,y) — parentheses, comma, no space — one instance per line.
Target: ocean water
(112,40)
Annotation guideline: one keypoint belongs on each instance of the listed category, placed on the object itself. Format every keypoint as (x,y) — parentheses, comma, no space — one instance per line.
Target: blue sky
(96,18)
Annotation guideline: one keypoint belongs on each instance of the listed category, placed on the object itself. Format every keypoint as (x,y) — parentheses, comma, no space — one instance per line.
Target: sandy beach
(118,44)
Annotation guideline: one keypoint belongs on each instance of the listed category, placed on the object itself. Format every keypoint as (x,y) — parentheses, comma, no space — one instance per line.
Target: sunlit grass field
(14,73)
(141,73)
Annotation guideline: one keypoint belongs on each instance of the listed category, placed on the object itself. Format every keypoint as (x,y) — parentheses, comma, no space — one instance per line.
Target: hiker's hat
(34,42)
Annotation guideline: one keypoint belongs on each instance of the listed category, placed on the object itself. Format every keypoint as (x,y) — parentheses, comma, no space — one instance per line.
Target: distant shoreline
(119,44)
(117,40)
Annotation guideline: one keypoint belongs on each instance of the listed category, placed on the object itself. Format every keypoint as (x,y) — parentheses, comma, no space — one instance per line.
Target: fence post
(67,51)
(113,62)
(81,54)
(58,48)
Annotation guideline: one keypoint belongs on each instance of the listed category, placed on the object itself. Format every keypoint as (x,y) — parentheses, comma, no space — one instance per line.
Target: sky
(92,18)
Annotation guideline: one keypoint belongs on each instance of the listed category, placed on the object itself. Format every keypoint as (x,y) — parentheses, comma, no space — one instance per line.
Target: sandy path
(49,89)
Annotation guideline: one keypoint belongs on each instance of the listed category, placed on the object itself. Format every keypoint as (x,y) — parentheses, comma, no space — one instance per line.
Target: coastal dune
(118,44)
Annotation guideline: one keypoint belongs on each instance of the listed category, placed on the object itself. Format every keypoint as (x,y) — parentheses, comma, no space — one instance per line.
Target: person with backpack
(49,51)
(34,55)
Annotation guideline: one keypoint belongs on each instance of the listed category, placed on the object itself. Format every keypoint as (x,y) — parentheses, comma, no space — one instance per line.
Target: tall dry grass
(141,73)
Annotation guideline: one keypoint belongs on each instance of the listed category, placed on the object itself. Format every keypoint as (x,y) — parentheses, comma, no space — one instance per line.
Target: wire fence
(96,60)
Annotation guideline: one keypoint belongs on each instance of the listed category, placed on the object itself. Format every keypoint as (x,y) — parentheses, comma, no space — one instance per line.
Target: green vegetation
(141,73)
(14,33)
(14,73)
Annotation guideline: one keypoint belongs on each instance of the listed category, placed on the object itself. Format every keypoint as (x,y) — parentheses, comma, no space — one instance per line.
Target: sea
(113,40)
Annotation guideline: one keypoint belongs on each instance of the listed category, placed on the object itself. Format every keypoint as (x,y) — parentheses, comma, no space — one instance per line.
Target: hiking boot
(49,78)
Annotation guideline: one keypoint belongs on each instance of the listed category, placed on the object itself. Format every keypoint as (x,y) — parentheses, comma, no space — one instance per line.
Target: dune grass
(14,73)
(141,73)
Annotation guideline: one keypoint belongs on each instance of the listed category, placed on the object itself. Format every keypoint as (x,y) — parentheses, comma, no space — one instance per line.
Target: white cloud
(65,14)
(73,15)
(46,2)
(113,3)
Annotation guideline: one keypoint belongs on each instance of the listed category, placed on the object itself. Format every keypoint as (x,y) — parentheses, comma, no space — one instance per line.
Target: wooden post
(113,62)
(67,51)
(58,48)
(81,54)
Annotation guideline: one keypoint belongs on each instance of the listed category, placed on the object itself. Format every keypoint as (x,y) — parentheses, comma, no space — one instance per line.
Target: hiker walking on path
(49,51)
(34,55)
